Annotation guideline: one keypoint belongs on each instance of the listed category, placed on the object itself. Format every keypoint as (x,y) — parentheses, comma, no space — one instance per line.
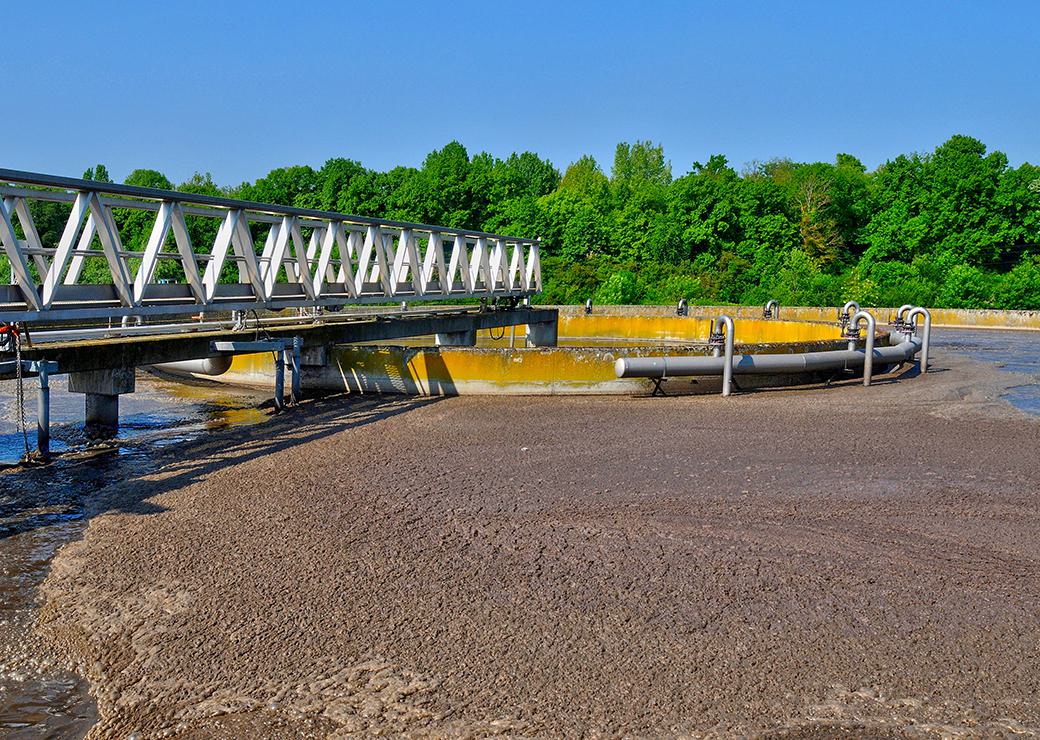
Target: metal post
(43,413)
(868,357)
(297,345)
(279,379)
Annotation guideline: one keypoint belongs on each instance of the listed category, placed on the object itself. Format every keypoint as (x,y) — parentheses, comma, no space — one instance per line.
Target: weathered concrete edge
(953,318)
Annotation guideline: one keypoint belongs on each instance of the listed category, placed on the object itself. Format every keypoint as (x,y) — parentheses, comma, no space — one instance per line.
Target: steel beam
(102,353)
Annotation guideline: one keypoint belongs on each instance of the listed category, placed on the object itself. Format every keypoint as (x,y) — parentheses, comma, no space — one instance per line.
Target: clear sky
(237,88)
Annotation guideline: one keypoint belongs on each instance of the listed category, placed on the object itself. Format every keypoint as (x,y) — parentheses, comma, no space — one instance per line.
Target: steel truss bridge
(279,257)
(236,267)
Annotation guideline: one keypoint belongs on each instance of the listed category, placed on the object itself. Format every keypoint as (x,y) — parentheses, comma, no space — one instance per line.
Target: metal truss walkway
(262,256)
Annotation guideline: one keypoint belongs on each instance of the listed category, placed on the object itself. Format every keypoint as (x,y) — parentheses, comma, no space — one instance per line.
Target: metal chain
(21,388)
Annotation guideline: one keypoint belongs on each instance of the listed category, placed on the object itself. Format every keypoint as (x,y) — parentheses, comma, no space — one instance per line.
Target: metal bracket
(280,348)
(29,367)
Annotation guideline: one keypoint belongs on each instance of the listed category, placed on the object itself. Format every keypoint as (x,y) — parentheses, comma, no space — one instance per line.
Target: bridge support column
(101,390)
(458,339)
(542,335)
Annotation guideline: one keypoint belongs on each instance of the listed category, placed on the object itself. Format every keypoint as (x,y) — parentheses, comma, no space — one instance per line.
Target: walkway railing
(232,255)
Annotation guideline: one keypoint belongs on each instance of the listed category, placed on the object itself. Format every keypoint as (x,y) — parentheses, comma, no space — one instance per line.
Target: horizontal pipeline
(206,366)
(803,362)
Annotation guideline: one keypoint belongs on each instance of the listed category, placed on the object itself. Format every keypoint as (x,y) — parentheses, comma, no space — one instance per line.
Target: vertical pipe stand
(868,350)
(279,379)
(297,345)
(43,413)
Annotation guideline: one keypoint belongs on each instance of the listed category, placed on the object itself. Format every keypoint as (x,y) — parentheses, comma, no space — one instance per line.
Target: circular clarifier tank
(502,364)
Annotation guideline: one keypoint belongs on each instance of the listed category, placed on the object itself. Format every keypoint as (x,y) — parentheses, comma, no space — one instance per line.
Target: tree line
(956,227)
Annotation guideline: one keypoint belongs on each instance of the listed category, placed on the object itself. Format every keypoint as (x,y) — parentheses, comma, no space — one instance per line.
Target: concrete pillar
(458,339)
(101,410)
(543,334)
(101,389)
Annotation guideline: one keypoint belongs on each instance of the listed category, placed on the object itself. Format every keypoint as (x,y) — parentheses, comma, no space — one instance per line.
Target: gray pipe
(848,305)
(727,368)
(771,309)
(868,352)
(911,317)
(206,366)
(903,309)
(803,362)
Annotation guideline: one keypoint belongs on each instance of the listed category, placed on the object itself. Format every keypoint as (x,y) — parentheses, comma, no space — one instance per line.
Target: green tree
(642,162)
(953,227)
(621,288)
(97,173)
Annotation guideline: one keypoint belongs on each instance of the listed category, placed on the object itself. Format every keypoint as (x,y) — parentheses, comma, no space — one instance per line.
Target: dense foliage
(957,227)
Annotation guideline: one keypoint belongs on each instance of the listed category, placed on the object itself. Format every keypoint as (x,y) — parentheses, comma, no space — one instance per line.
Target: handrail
(177,196)
(308,258)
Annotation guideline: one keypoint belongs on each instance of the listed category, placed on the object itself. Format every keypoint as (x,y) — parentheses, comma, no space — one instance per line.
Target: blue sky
(237,88)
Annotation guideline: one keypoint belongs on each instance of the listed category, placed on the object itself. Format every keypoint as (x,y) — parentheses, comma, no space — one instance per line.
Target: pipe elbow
(919,311)
(864,316)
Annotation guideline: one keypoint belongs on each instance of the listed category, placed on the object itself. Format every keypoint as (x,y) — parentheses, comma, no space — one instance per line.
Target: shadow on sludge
(45,507)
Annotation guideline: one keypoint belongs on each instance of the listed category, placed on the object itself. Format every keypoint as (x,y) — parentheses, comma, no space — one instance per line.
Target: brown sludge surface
(801,563)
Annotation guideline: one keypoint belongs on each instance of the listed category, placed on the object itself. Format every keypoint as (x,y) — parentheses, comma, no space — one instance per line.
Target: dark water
(1014,351)
(43,508)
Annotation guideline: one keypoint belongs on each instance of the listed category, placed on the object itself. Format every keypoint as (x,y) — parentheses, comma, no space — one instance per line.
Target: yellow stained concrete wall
(487,371)
(691,328)
(950,317)
(624,329)
(451,371)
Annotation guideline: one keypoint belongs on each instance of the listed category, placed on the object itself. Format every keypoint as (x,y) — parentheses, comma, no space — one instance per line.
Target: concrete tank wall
(951,317)
(478,371)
